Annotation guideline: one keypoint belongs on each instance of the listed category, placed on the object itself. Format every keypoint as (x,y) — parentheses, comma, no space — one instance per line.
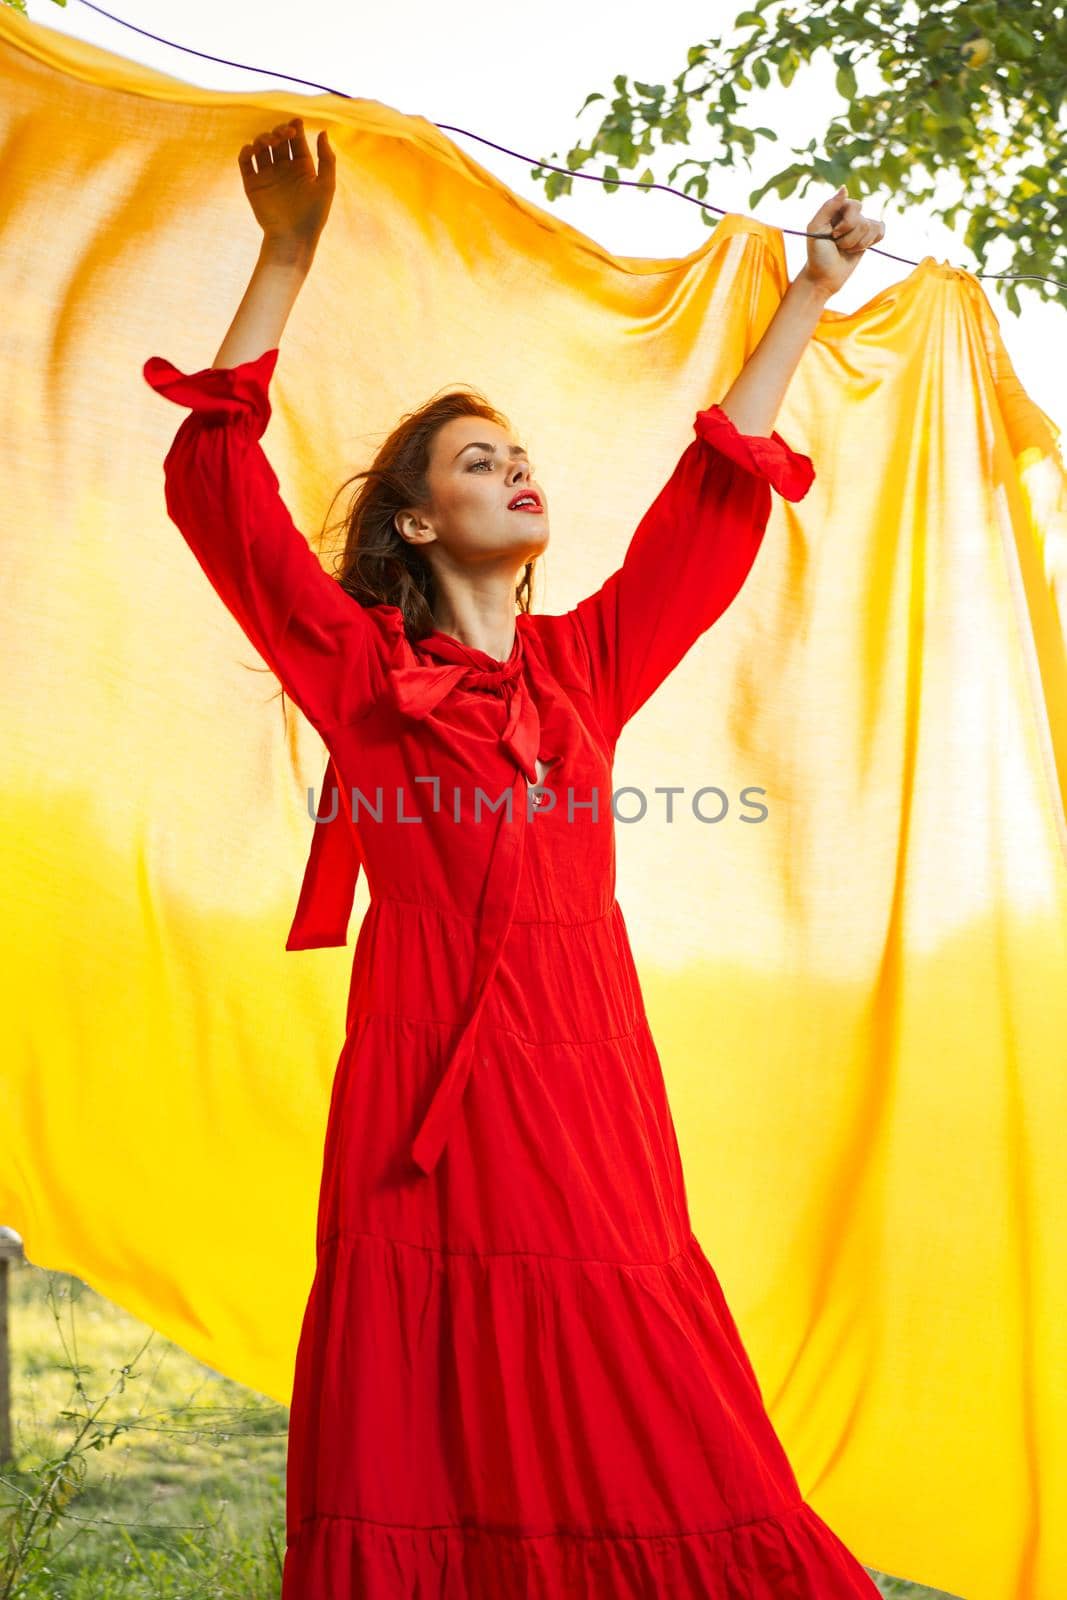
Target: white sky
(517,76)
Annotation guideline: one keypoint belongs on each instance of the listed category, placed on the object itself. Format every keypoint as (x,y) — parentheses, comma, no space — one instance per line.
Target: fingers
(855,231)
(861,238)
(849,218)
(843,222)
(298,139)
(273,148)
(270,150)
(261,150)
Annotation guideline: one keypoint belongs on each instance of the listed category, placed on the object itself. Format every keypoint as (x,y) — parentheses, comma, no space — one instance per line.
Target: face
(476,469)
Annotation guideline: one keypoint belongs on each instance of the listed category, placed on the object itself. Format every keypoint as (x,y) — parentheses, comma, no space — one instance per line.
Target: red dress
(517,1376)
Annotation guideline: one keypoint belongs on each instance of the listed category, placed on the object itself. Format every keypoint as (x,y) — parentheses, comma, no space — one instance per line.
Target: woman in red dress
(517,1375)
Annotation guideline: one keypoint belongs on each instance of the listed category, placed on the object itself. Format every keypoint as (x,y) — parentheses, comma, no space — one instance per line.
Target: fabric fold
(235,391)
(652,1526)
(328,887)
(789,471)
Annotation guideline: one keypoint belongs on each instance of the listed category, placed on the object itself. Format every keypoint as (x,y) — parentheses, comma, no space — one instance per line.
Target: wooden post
(10,1250)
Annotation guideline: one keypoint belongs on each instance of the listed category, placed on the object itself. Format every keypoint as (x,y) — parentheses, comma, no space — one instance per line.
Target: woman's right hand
(289,200)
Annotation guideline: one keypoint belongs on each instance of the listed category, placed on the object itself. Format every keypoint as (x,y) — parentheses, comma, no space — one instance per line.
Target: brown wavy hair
(376,565)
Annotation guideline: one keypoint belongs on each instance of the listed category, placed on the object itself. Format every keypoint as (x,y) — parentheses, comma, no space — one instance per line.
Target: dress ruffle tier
(562,1429)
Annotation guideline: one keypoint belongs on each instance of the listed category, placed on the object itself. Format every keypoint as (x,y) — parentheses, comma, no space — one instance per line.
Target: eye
(487,461)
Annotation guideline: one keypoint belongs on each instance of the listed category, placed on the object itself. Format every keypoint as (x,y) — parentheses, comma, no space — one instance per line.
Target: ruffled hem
(239,391)
(792,1556)
(786,469)
(517,1424)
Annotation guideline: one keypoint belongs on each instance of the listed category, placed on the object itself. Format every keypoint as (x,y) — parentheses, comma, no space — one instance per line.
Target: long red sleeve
(686,562)
(222,494)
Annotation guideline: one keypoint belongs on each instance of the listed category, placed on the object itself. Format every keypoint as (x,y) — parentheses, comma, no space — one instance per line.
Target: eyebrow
(482,444)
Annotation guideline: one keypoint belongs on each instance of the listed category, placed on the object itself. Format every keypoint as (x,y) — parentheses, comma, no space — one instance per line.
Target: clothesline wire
(590,177)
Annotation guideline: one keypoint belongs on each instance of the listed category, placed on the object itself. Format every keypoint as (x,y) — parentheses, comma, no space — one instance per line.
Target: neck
(494,636)
(500,651)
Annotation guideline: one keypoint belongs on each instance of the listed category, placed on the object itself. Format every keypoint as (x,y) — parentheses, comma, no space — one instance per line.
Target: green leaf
(924,111)
(618,142)
(588,101)
(845,83)
(787,68)
(1010,41)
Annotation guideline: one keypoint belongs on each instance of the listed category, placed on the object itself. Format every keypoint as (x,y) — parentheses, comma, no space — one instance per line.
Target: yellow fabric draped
(860,1002)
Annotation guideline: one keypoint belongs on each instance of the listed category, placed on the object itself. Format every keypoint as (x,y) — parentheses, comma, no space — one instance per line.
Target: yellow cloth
(860,1003)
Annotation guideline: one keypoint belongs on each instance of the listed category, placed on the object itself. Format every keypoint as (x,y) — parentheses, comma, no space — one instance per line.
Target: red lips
(526,494)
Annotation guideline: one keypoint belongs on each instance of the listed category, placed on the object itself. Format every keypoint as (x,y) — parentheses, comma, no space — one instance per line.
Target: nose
(520,472)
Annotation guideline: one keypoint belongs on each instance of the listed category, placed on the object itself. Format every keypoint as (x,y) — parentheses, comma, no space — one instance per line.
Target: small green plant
(106,1442)
(34,1514)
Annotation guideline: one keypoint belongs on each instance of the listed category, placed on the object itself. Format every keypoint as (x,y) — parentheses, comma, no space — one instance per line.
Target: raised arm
(685,563)
(695,546)
(221,491)
(223,495)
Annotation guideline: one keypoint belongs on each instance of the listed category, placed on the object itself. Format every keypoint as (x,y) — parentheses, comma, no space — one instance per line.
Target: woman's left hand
(831,262)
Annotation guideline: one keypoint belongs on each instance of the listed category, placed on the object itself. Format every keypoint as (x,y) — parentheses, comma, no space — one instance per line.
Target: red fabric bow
(416,690)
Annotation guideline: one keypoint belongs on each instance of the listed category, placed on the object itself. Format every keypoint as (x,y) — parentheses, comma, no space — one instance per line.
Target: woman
(517,1374)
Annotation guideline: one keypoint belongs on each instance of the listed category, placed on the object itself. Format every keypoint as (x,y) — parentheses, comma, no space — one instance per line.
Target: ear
(410,529)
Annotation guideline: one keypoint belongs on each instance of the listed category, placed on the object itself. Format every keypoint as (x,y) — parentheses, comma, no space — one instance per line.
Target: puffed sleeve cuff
(239,391)
(785,469)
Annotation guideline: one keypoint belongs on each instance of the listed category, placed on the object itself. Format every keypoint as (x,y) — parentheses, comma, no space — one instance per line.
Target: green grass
(153,1477)
(175,1490)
